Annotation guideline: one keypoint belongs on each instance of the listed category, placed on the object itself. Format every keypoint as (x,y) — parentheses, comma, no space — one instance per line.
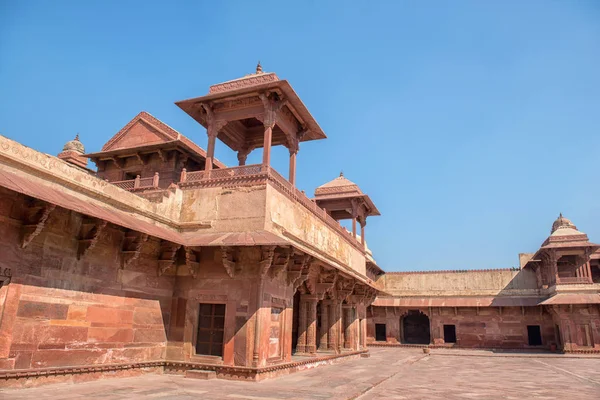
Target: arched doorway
(415,328)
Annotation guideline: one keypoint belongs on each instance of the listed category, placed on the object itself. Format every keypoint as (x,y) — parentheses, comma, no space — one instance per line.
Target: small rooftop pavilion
(257,110)
(565,257)
(343,199)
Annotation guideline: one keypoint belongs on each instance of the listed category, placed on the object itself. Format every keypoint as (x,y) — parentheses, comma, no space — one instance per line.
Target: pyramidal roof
(340,185)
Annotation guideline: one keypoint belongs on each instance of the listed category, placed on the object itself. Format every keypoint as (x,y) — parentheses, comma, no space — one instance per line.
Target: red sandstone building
(165,259)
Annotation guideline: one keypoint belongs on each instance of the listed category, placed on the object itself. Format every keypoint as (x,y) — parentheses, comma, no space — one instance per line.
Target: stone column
(348,325)
(323,342)
(362,232)
(213,128)
(588,270)
(311,330)
(363,333)
(210,151)
(267,142)
(335,327)
(242,158)
(303,311)
(333,334)
(292,177)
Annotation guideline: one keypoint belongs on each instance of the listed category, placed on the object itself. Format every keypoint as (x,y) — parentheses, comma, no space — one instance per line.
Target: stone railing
(248,174)
(138,183)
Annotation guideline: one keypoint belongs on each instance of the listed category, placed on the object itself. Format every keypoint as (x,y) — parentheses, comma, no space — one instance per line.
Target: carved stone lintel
(227,257)
(88,236)
(36,224)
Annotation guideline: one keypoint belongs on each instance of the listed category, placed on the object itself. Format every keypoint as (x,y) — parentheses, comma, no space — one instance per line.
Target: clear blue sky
(470,124)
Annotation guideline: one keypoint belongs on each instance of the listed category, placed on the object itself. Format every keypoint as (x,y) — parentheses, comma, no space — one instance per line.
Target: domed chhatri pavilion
(164,259)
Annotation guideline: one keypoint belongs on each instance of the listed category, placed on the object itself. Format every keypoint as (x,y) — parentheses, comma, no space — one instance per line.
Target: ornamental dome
(561,223)
(75,145)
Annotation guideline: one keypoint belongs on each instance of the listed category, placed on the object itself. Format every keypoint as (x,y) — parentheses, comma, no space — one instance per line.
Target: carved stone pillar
(334,324)
(267,143)
(363,223)
(302,325)
(350,327)
(324,333)
(213,131)
(354,216)
(363,333)
(311,330)
(292,177)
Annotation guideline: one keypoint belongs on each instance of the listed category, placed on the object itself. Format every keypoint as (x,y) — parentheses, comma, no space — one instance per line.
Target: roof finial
(77,137)
(560,215)
(259,68)
(341,173)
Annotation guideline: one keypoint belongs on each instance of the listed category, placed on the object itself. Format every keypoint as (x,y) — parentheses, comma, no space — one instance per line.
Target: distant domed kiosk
(343,199)
(73,153)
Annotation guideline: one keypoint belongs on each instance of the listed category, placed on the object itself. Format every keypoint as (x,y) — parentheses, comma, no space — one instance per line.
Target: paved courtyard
(389,374)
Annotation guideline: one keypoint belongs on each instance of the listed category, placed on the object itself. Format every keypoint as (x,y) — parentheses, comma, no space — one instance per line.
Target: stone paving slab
(387,374)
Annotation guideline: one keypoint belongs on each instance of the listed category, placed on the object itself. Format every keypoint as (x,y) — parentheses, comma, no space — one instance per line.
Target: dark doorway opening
(380,334)
(415,326)
(295,321)
(211,324)
(450,333)
(534,333)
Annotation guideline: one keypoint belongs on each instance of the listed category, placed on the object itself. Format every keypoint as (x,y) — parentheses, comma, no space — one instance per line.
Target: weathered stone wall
(61,311)
(227,209)
(461,283)
(484,327)
(56,175)
(297,224)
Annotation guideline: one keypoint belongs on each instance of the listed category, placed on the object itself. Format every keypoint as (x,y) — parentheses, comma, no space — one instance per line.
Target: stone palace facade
(165,260)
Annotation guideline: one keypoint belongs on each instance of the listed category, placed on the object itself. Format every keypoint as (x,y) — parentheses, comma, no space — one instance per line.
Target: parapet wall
(460,283)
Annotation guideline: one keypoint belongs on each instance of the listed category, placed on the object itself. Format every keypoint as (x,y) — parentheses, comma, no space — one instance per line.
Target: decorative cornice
(248,81)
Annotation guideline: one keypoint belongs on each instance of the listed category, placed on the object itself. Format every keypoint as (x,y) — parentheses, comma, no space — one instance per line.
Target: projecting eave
(282,87)
(196,152)
(373,211)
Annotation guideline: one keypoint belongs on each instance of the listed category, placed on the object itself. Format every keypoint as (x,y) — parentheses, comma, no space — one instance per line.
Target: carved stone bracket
(131,250)
(192,264)
(282,262)
(228,259)
(272,105)
(166,258)
(299,270)
(143,160)
(35,221)
(268,252)
(89,234)
(213,124)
